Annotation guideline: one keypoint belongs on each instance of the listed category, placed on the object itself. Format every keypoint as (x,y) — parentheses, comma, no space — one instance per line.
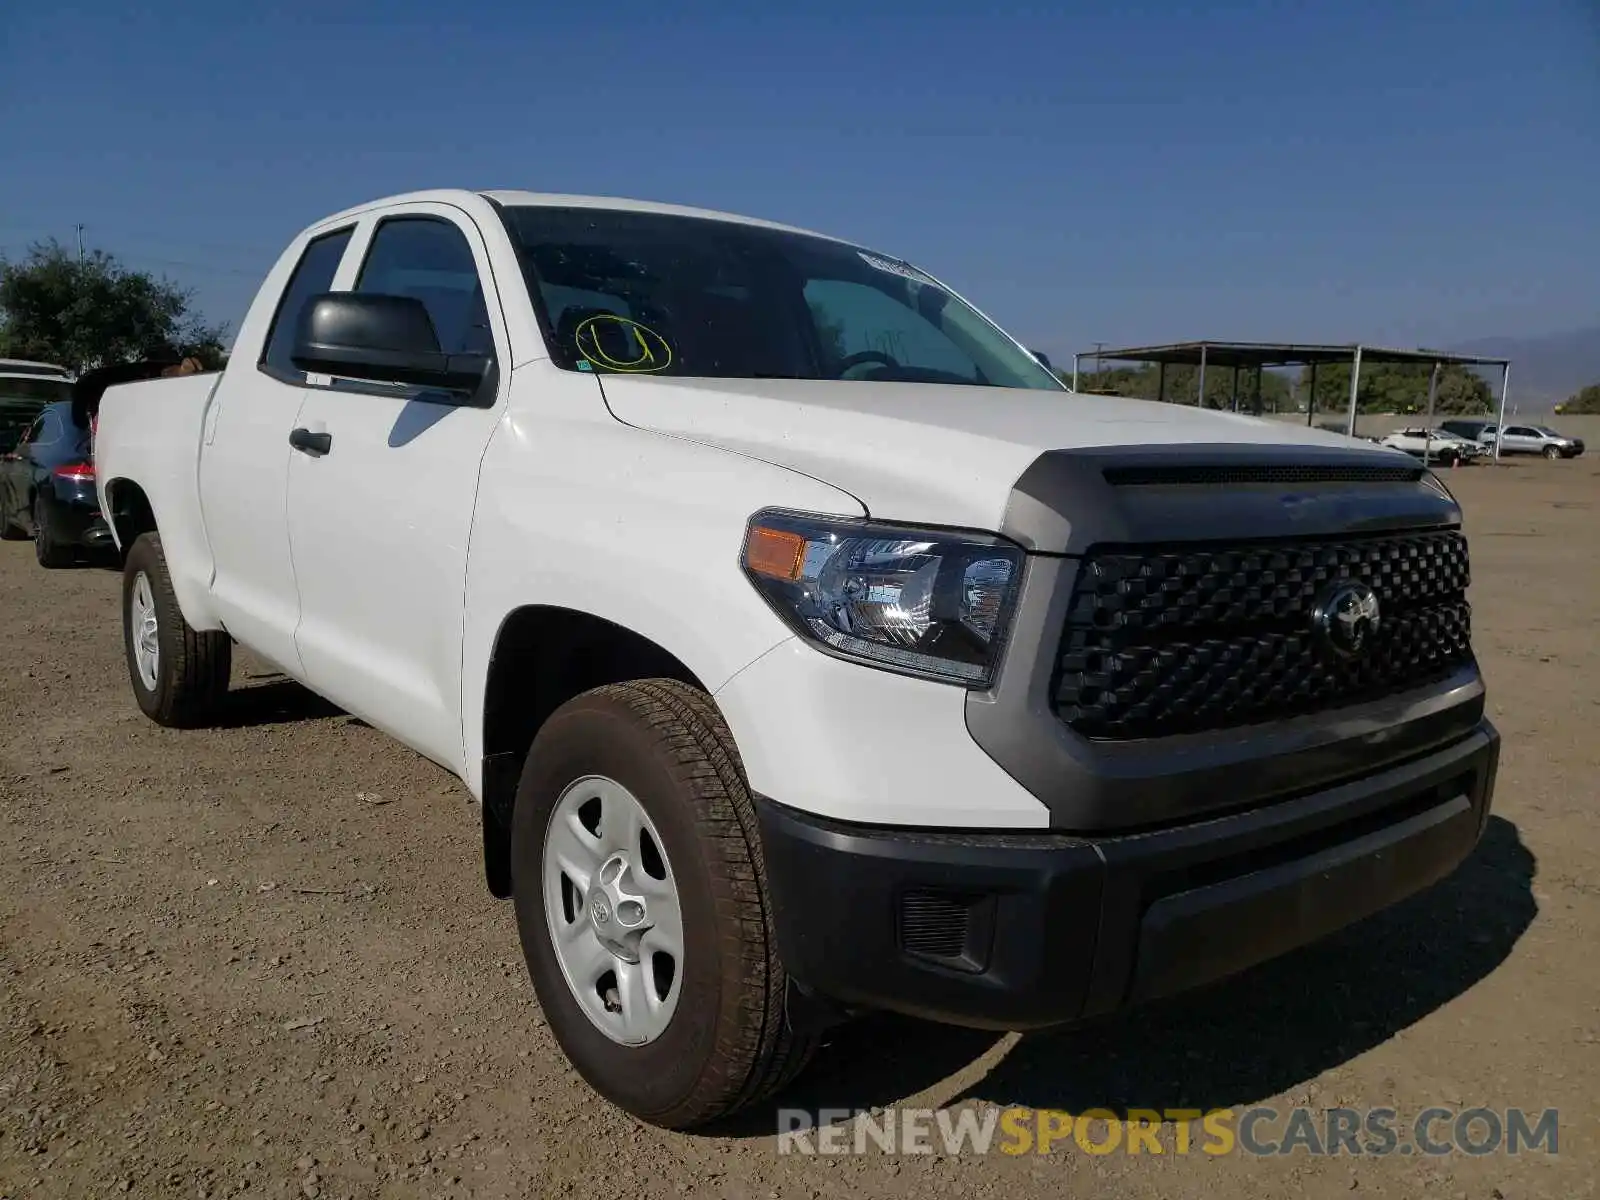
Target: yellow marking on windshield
(654,353)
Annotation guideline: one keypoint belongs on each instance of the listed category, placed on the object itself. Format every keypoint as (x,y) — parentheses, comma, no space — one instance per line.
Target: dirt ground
(260,960)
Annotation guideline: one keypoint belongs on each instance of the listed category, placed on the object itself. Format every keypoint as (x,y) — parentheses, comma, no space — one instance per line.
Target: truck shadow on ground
(1238,1042)
(277,700)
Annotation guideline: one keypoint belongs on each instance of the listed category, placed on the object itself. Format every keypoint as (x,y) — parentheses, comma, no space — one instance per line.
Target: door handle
(314,444)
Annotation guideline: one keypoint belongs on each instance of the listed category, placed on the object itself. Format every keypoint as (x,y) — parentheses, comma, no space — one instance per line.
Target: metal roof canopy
(1258,355)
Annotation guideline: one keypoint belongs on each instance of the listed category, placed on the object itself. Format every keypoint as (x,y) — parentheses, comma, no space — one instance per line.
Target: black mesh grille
(1194,475)
(1163,641)
(934,924)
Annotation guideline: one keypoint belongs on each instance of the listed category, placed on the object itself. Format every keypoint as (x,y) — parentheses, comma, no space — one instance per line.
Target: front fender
(639,528)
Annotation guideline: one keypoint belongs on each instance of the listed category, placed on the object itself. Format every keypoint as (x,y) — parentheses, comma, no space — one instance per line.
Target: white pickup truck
(810,648)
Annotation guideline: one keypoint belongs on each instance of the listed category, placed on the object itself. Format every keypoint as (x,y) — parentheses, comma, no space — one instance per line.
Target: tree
(1182,382)
(91,312)
(1460,391)
(1397,388)
(1585,401)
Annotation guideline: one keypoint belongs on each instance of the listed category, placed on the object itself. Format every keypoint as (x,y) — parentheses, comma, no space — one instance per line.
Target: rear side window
(312,276)
(48,431)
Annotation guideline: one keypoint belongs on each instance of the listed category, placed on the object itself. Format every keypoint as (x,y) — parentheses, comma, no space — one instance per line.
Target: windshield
(22,398)
(648,293)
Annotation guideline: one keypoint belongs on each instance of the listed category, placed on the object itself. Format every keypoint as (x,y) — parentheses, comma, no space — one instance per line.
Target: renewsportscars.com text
(1259,1131)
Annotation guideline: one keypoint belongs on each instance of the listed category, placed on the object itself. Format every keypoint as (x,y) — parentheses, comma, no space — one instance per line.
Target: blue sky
(1396,170)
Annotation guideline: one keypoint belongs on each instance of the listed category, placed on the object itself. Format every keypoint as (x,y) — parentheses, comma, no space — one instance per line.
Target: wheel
(1552,452)
(642,908)
(46,549)
(179,675)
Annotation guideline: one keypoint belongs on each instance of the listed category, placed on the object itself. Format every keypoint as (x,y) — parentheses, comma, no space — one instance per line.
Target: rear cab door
(379,522)
(244,459)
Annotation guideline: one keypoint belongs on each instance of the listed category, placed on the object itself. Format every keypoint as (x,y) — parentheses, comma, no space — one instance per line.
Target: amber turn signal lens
(775,553)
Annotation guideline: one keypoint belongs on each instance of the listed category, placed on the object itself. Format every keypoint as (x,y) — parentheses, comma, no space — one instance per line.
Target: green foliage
(1182,384)
(89,313)
(1585,401)
(1397,388)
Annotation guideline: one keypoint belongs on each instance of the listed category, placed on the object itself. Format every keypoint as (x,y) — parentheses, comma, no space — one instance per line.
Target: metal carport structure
(1260,355)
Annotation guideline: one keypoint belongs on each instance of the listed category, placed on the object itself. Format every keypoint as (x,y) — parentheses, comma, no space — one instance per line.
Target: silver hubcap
(613,911)
(142,629)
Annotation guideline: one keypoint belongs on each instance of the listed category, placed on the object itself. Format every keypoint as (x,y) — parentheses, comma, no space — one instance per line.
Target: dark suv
(1469,429)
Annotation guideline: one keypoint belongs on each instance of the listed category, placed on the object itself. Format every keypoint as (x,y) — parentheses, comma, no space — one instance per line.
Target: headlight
(924,602)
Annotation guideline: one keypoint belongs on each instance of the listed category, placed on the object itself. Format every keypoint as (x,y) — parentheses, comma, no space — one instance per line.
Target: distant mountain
(1548,368)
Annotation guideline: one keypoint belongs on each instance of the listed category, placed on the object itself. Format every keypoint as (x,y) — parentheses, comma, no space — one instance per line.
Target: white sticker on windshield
(895,268)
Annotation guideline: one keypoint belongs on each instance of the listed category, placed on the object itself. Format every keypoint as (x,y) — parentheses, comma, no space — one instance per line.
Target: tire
(726,1041)
(1552,452)
(189,675)
(50,553)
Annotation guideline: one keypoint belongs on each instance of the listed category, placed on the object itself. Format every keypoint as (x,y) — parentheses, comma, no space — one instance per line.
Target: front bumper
(1025,930)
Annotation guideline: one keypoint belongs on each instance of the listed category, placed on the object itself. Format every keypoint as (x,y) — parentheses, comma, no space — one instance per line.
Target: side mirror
(1044,359)
(384,339)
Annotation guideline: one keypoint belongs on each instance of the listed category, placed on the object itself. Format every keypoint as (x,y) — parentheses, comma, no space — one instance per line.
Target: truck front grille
(1162,640)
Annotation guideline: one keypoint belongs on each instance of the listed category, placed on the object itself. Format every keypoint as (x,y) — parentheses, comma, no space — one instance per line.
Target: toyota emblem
(1347,617)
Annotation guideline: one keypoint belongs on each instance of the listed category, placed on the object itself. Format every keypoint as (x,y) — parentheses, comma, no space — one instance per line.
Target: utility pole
(79,228)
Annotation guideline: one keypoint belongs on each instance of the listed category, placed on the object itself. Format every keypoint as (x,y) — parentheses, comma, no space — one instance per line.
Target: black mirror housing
(1044,359)
(381,339)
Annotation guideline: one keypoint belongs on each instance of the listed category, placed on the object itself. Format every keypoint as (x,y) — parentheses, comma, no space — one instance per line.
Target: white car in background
(25,388)
(1437,445)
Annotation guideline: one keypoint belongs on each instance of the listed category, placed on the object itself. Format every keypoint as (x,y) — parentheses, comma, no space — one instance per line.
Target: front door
(379,520)
(1519,439)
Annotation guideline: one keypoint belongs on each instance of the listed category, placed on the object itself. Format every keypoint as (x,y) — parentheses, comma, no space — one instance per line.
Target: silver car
(1533,439)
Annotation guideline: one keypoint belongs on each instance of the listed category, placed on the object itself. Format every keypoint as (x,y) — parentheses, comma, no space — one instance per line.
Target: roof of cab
(560,200)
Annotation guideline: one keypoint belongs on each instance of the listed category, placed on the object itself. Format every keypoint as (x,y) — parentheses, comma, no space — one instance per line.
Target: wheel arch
(543,656)
(130,512)
(132,509)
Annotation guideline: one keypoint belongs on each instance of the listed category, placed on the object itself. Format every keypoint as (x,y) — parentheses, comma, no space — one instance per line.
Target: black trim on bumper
(1025,930)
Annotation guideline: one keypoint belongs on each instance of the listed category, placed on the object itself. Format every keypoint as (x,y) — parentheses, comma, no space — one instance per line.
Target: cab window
(313,275)
(429,259)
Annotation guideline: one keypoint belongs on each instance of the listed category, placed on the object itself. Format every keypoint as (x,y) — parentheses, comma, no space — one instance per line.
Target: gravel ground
(260,960)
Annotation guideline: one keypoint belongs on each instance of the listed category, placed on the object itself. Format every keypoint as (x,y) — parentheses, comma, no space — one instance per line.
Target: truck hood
(929,453)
